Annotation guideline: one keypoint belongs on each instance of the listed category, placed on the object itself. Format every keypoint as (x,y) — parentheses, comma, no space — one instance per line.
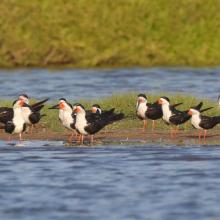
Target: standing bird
(31,113)
(145,110)
(16,123)
(66,116)
(219,100)
(96,109)
(202,122)
(89,124)
(172,116)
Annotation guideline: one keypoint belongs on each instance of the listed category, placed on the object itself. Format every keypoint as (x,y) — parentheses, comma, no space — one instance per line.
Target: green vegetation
(85,33)
(126,103)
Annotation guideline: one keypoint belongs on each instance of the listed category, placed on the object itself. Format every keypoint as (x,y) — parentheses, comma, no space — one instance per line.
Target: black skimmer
(96,109)
(15,124)
(202,122)
(66,116)
(31,113)
(145,110)
(172,116)
(89,124)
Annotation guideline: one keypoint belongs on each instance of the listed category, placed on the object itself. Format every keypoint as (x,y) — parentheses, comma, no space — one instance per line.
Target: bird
(89,124)
(145,110)
(172,116)
(202,122)
(15,124)
(66,116)
(31,113)
(219,100)
(96,109)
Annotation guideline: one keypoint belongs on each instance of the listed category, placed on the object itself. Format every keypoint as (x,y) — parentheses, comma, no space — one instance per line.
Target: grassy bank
(83,33)
(126,103)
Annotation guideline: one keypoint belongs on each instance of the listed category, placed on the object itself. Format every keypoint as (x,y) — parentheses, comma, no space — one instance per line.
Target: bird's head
(164,100)
(141,98)
(96,109)
(24,97)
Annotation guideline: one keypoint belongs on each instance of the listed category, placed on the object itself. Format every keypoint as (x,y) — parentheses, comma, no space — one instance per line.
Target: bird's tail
(116,117)
(39,103)
(206,109)
(177,104)
(38,108)
(99,124)
(217,119)
(108,112)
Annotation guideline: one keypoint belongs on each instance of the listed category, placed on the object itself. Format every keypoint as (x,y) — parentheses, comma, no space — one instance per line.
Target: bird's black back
(208,122)
(6,114)
(9,127)
(154,111)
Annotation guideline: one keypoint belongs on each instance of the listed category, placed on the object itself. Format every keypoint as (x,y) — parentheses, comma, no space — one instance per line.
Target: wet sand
(125,136)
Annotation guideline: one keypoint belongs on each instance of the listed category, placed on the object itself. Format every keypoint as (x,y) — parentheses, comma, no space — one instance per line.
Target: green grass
(85,33)
(126,103)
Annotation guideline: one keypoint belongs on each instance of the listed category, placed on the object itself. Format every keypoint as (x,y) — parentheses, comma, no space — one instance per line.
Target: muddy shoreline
(125,136)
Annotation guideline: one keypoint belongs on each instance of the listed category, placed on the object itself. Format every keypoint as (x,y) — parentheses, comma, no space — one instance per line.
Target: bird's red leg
(153,125)
(92,139)
(176,130)
(20,136)
(70,138)
(145,125)
(76,134)
(79,140)
(32,126)
(171,132)
(82,139)
(205,133)
(199,137)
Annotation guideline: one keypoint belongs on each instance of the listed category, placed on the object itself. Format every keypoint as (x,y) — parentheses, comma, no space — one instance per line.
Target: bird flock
(162,108)
(81,122)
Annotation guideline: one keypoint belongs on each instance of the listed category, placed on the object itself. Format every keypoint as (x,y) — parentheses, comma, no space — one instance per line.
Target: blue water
(75,84)
(46,180)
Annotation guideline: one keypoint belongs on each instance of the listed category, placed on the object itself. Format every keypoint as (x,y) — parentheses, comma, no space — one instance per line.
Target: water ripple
(76,84)
(46,180)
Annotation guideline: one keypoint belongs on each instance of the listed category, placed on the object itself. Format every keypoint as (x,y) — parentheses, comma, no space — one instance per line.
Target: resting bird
(90,123)
(172,116)
(66,116)
(145,110)
(202,122)
(15,124)
(31,113)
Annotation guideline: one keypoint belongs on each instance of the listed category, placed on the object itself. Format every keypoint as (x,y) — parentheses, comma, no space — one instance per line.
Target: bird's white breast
(26,113)
(166,113)
(18,120)
(66,118)
(195,120)
(141,109)
(81,123)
